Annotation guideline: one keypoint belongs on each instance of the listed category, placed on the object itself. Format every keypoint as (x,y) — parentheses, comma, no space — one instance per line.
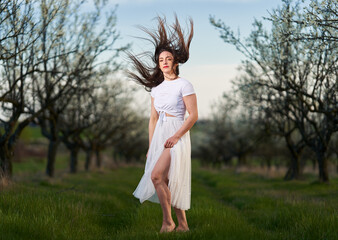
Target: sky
(212,63)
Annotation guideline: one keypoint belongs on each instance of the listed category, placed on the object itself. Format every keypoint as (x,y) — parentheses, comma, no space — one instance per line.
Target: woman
(167,176)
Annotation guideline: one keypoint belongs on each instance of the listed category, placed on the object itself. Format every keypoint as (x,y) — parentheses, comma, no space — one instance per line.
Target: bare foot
(182,229)
(168,228)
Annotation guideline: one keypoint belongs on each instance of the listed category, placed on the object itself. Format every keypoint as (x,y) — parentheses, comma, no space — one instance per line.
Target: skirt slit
(179,174)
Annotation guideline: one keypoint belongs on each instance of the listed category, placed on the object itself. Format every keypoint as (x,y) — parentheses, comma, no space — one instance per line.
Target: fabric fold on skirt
(180,166)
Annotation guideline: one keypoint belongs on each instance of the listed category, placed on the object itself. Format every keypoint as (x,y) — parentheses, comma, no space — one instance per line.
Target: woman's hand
(171,142)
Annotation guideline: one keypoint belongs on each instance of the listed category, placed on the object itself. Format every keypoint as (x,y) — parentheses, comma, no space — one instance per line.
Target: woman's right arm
(152,120)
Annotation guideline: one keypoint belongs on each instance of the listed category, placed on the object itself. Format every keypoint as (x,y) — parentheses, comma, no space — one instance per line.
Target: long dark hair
(165,38)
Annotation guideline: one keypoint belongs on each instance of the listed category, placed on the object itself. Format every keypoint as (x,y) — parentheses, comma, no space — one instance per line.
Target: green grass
(31,133)
(225,205)
(38,165)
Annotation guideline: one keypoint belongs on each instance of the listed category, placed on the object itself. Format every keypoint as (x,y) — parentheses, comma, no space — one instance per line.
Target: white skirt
(180,166)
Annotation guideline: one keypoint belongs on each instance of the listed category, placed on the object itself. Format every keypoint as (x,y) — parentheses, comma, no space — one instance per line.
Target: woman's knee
(160,171)
(156,178)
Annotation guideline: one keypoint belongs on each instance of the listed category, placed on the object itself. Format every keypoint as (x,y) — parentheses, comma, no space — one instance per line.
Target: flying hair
(165,38)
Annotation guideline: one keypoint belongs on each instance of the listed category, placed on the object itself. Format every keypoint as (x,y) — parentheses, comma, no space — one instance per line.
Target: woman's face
(166,61)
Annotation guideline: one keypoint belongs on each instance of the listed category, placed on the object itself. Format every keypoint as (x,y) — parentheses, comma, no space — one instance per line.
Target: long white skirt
(180,166)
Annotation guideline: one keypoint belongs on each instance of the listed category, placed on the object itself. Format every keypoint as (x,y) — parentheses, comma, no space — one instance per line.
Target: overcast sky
(212,63)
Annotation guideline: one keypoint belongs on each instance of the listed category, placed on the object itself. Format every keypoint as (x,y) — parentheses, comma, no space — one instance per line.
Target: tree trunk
(89,154)
(294,171)
(73,159)
(268,162)
(7,148)
(52,150)
(6,155)
(242,159)
(323,167)
(314,164)
(98,158)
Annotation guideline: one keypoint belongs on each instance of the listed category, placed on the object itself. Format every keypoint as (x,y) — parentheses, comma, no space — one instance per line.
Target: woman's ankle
(168,227)
(181,228)
(168,222)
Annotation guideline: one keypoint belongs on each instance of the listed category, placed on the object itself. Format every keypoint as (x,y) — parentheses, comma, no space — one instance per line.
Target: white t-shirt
(168,96)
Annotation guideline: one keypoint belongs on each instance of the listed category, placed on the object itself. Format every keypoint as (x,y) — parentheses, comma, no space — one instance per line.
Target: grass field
(225,205)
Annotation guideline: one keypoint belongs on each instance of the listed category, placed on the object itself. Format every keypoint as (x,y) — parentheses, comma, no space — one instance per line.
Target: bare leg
(159,176)
(182,220)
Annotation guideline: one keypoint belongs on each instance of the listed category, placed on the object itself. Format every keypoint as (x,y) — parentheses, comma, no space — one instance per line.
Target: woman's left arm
(190,102)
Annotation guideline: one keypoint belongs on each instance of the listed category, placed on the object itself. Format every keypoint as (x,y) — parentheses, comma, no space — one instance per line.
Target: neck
(171,76)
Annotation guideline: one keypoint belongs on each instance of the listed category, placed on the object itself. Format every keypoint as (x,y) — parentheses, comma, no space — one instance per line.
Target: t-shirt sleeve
(187,89)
